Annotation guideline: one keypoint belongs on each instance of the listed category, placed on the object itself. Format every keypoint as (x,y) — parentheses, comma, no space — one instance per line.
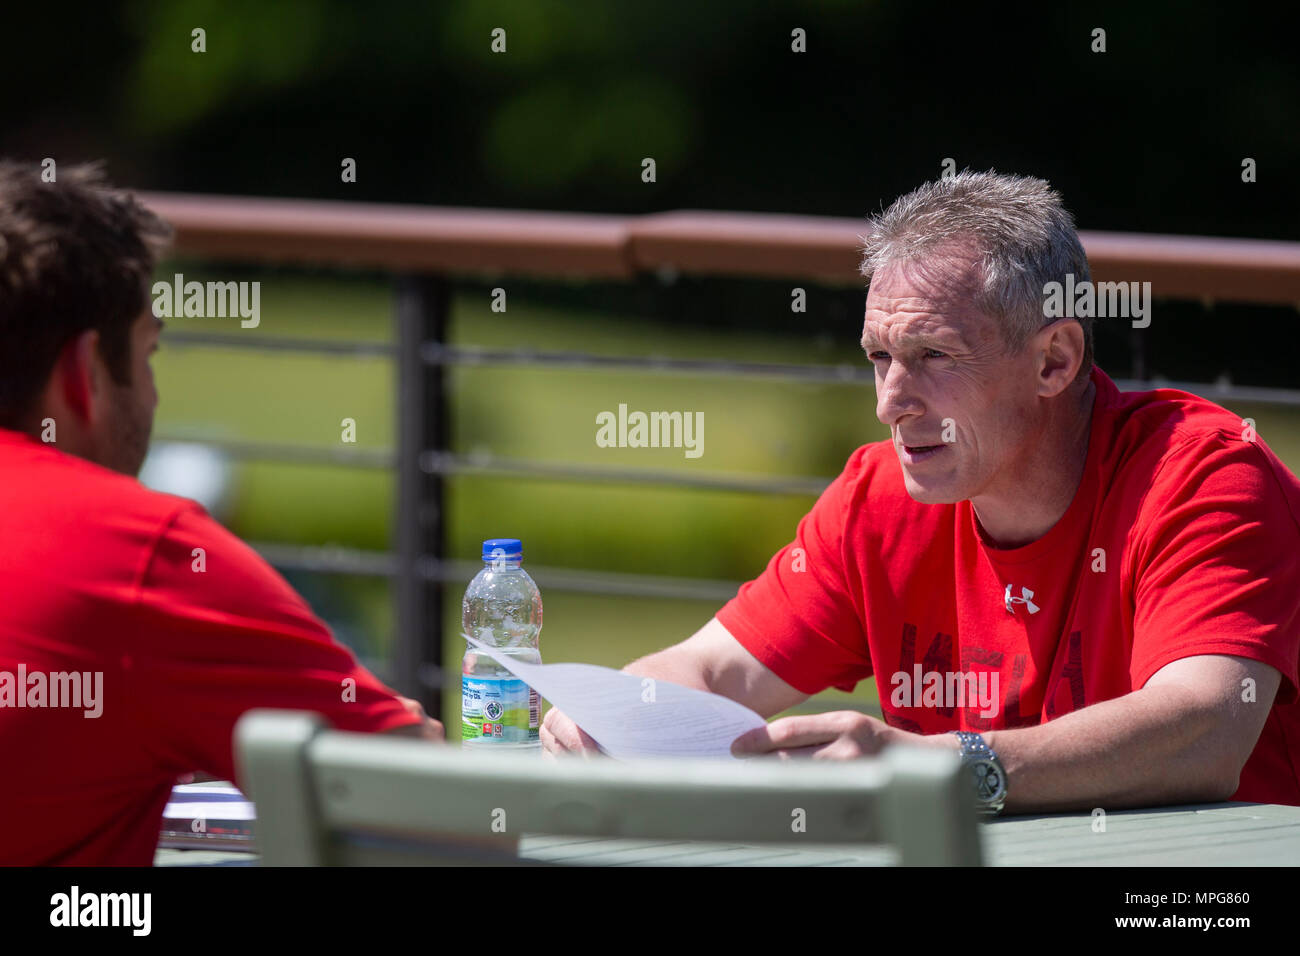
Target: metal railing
(423,248)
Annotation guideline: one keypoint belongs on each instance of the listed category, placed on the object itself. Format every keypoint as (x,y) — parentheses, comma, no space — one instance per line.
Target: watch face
(988,781)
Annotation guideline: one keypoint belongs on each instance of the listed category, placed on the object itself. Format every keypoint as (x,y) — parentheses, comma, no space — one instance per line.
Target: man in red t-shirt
(1093,596)
(136,630)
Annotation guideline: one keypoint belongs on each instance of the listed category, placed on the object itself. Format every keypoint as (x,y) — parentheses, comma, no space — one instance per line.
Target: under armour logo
(1025,599)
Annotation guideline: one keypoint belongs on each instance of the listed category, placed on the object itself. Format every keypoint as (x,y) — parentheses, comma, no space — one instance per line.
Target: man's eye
(929,353)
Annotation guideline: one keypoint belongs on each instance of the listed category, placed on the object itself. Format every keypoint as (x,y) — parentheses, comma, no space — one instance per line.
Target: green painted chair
(330,798)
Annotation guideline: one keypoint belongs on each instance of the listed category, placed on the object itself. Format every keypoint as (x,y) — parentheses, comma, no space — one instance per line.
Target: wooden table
(1219,834)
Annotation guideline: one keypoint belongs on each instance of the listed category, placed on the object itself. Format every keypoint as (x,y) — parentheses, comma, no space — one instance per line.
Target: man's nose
(895,396)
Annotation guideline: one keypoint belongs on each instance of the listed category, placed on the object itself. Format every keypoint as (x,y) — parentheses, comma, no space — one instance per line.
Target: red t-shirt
(100,574)
(1182,539)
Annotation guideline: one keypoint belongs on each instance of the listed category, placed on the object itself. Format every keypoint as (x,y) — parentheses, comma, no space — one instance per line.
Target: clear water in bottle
(503,610)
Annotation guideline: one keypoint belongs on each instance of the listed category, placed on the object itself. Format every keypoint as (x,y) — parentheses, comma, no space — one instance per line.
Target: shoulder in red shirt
(101,576)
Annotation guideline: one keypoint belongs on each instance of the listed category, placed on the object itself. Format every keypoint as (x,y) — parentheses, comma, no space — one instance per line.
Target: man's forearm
(1143,749)
(664,665)
(714,660)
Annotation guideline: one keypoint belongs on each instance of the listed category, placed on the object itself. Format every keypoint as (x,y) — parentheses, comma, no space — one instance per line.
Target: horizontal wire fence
(423,247)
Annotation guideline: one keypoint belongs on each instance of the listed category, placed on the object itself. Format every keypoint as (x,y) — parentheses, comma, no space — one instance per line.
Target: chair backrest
(327,797)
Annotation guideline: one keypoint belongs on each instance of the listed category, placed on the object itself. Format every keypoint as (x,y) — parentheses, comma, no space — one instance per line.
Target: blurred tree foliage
(1147,136)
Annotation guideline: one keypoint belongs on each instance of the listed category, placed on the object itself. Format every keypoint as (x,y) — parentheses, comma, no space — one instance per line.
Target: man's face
(961,412)
(131,407)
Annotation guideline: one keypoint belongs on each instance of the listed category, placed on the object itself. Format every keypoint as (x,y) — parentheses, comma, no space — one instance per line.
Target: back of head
(75,255)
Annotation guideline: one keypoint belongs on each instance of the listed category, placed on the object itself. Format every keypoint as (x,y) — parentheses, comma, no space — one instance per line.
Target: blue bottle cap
(511,549)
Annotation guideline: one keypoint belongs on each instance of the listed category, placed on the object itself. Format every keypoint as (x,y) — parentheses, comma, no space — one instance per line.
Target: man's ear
(1061,346)
(80,371)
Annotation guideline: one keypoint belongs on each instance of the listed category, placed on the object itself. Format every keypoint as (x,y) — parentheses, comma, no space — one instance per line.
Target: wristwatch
(990,778)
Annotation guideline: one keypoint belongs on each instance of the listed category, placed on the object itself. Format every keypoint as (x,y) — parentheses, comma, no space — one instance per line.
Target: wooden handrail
(396,238)
(434,239)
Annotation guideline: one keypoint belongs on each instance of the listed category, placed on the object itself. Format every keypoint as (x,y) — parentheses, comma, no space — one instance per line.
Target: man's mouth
(912,454)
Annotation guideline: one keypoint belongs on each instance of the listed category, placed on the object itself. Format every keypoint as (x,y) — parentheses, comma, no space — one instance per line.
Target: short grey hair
(1023,236)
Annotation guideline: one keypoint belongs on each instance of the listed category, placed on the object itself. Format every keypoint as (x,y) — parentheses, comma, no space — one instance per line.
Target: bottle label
(499,709)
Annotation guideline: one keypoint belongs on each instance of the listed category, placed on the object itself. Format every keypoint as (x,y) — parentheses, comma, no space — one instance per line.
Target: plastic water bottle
(503,610)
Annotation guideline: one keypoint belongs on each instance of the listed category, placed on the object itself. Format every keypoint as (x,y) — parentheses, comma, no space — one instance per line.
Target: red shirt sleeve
(799,617)
(1215,567)
(220,632)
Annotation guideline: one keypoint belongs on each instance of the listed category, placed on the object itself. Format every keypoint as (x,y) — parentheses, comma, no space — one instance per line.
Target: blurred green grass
(755,427)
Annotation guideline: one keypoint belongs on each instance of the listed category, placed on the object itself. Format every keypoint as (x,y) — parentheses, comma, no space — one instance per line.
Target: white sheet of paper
(210,801)
(210,811)
(630,718)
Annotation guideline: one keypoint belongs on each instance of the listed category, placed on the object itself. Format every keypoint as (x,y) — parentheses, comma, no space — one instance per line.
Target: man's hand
(427,729)
(839,735)
(561,735)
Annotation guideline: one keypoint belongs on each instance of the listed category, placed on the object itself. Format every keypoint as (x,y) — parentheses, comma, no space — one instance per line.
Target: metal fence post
(422,304)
